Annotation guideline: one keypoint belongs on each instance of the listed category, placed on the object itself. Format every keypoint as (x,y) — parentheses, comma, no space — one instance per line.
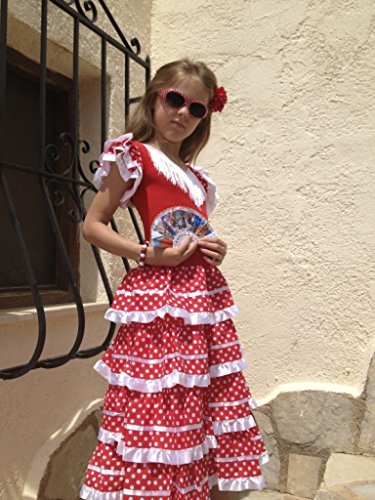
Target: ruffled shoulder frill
(212,197)
(122,151)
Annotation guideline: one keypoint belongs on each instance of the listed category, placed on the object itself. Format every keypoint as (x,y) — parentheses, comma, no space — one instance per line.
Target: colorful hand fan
(171,227)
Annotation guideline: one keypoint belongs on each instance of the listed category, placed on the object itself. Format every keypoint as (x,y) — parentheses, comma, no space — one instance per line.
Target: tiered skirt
(177,416)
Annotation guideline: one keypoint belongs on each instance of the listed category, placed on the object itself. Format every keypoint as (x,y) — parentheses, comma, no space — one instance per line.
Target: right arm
(97,231)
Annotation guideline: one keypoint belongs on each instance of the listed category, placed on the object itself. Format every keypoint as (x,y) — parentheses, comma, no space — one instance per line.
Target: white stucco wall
(40,409)
(292,155)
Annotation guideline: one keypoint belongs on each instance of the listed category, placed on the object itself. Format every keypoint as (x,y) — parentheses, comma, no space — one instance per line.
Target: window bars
(73,179)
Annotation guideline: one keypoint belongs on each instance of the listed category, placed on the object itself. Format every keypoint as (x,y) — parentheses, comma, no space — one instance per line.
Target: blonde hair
(141,123)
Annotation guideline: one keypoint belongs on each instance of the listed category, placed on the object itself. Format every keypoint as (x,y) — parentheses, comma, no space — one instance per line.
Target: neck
(169,149)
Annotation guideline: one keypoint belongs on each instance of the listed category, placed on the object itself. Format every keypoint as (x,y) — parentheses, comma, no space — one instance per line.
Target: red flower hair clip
(219,100)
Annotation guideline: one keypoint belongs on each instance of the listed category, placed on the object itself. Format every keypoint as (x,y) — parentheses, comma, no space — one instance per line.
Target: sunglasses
(176,99)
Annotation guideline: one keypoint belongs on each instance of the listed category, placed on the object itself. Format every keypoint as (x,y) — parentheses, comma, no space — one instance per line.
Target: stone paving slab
(266,495)
(343,468)
(303,475)
(354,491)
(348,477)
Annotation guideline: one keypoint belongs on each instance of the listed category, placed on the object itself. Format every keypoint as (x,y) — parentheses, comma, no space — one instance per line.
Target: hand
(171,256)
(213,248)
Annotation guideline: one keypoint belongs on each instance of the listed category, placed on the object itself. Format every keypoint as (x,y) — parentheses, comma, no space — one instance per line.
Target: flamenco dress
(176,417)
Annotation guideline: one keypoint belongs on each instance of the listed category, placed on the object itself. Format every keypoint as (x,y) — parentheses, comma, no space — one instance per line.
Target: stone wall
(321,444)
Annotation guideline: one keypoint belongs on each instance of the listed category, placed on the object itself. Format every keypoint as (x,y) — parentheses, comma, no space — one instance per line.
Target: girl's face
(176,124)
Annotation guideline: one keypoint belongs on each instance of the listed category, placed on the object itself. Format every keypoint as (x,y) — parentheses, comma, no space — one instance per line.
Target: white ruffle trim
(155,455)
(147,385)
(118,495)
(225,368)
(219,427)
(168,290)
(238,484)
(171,457)
(88,493)
(140,455)
(128,168)
(263,458)
(190,318)
(158,361)
(155,428)
(169,380)
(185,179)
(212,196)
(235,425)
(219,404)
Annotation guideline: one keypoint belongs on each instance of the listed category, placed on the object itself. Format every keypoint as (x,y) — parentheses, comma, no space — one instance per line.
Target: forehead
(192,86)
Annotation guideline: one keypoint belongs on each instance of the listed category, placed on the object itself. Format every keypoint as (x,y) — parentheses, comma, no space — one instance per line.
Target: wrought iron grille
(73,179)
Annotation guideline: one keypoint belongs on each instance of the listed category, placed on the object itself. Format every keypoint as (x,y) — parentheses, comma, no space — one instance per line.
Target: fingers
(185,244)
(213,243)
(214,250)
(212,239)
(187,248)
(212,257)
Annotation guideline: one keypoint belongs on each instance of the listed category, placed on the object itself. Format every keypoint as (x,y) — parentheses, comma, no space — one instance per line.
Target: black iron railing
(72,183)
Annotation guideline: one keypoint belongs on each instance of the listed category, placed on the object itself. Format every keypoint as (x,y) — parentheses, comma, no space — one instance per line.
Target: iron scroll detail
(64,173)
(88,10)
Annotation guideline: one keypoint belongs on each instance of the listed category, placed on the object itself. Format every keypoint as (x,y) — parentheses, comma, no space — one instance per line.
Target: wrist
(143,254)
(149,256)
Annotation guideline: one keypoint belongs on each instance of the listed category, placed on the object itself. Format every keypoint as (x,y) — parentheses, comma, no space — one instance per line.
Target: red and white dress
(177,416)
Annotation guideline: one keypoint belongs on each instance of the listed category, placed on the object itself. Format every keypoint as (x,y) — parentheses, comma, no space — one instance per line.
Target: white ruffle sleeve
(212,197)
(119,151)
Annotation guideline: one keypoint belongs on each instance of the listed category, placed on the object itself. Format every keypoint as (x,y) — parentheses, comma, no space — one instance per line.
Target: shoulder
(212,197)
(124,153)
(202,175)
(121,145)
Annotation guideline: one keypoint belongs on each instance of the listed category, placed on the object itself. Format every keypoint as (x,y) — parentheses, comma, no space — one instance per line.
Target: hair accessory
(219,100)
(142,253)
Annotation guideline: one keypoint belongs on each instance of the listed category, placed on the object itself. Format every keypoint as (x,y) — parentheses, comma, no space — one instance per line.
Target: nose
(184,110)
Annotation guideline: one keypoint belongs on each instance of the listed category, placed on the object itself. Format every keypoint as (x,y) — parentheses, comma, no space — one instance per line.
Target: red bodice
(156,193)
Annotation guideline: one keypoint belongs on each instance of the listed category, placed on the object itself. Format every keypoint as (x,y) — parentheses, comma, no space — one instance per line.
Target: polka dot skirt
(176,417)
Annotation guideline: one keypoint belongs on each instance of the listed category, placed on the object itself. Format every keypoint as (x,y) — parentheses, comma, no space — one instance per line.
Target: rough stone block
(303,475)
(350,477)
(342,469)
(366,442)
(323,420)
(271,469)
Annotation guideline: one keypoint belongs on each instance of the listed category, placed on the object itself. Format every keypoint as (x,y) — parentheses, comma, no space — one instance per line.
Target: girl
(177,420)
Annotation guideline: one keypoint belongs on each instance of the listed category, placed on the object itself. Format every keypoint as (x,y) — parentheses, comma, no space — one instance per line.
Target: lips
(178,125)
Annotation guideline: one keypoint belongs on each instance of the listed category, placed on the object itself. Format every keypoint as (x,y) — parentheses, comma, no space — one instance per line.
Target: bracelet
(142,254)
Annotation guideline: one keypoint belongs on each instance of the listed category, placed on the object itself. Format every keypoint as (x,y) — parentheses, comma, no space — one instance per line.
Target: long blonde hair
(141,123)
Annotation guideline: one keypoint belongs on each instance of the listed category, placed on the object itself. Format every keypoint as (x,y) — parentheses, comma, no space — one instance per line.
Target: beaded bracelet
(142,254)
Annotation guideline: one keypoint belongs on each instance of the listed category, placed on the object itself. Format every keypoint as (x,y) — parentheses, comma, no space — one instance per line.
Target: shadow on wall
(65,471)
